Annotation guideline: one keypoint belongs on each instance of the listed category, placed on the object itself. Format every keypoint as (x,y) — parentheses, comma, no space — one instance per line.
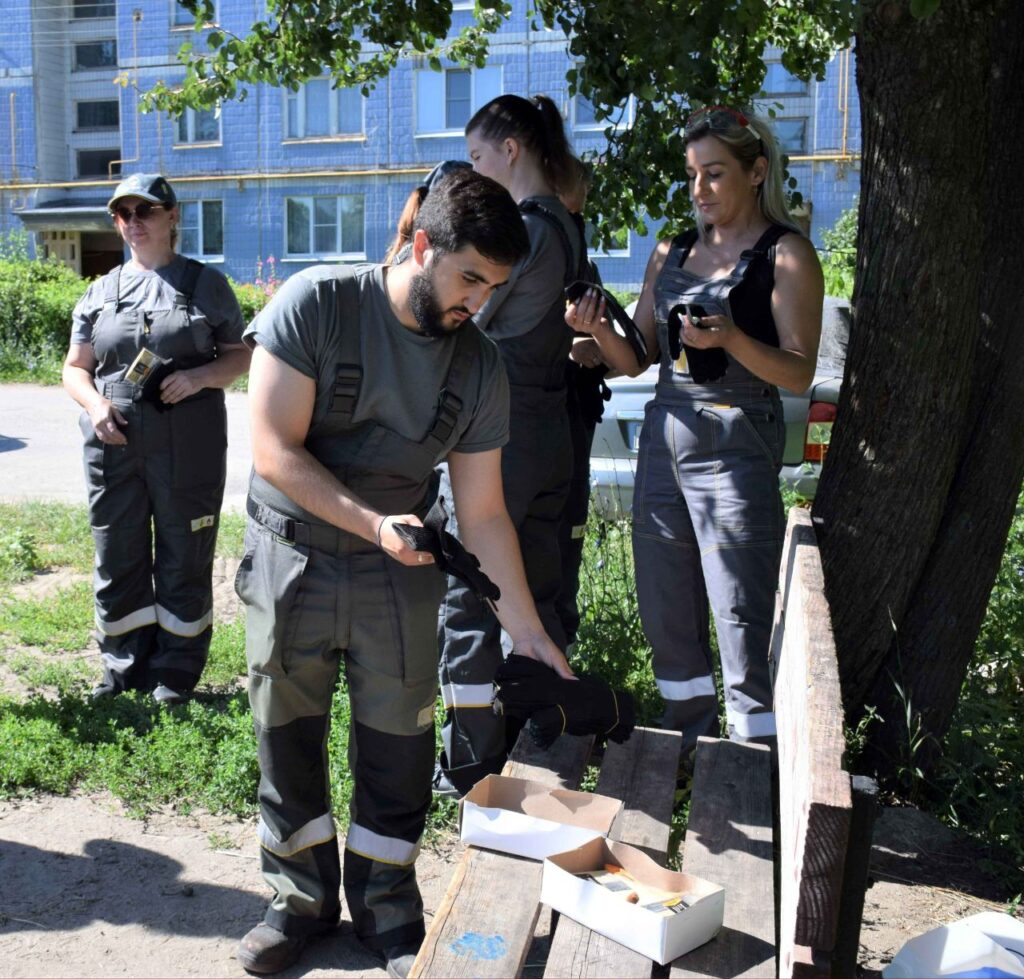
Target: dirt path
(87,891)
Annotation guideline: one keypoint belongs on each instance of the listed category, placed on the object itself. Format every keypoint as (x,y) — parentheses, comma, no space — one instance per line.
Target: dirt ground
(85,890)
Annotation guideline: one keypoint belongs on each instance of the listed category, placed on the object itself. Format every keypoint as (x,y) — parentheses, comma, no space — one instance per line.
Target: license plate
(633,435)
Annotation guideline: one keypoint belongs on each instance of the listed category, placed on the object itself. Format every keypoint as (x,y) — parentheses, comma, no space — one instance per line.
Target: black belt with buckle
(322,537)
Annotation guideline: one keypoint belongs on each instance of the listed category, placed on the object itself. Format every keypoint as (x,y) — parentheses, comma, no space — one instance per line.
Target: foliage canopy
(620,53)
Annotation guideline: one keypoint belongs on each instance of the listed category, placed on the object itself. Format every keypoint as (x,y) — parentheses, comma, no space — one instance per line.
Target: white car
(808,417)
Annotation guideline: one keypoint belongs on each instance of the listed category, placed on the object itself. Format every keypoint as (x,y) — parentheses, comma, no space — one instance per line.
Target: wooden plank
(641,772)
(486,921)
(814,792)
(855,877)
(729,842)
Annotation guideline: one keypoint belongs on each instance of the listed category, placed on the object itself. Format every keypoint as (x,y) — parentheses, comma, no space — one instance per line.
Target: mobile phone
(696,312)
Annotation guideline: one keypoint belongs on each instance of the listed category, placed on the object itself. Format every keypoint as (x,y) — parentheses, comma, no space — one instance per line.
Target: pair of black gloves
(525,688)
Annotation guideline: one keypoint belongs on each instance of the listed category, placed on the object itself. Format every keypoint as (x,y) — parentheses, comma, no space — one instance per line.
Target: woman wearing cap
(735,308)
(521,144)
(153,344)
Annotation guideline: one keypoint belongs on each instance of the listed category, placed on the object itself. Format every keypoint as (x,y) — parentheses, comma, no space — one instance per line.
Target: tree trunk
(928,457)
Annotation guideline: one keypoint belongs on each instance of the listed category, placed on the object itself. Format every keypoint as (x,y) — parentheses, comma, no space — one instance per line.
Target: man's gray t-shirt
(402,373)
(154,290)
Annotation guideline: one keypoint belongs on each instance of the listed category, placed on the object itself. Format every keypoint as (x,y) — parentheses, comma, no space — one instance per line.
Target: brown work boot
(266,950)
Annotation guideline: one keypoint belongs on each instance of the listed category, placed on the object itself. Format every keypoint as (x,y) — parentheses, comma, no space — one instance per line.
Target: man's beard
(426,309)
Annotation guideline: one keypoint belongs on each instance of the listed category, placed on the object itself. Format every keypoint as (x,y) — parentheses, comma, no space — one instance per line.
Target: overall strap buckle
(347,382)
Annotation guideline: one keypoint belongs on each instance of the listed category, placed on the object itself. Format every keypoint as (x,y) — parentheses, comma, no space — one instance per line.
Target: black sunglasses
(142,211)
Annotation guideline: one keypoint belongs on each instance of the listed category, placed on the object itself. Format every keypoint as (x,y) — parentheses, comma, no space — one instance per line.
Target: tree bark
(927,461)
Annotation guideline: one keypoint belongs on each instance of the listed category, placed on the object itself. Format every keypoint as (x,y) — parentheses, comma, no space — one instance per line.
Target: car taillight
(820,417)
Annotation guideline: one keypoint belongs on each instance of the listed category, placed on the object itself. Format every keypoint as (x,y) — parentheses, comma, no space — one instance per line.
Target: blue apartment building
(317,175)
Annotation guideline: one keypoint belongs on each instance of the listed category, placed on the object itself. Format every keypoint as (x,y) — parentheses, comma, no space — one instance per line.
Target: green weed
(58,622)
(18,556)
(227,655)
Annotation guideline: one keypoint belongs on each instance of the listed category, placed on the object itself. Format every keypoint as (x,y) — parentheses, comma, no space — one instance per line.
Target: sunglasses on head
(141,211)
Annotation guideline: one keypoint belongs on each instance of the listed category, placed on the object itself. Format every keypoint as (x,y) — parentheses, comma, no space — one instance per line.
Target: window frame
(600,127)
(75,7)
(336,254)
(766,92)
(474,100)
(79,128)
(300,99)
(92,41)
(189,119)
(200,228)
(106,171)
(782,146)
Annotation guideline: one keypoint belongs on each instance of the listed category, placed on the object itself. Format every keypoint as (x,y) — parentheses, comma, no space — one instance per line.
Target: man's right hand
(106,422)
(393,545)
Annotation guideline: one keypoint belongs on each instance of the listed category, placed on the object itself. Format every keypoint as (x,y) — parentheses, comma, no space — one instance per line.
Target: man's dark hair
(467,208)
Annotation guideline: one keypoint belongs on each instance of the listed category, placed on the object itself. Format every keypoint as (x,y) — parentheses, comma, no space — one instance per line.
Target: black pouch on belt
(448,553)
(525,688)
(591,390)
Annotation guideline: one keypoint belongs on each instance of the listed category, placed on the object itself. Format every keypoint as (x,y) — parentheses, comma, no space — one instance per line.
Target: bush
(839,256)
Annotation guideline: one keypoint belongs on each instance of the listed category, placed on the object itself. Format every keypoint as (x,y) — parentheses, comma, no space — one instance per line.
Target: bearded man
(363,379)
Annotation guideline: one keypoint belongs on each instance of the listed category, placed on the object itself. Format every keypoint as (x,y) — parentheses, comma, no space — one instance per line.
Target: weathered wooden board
(641,772)
(815,800)
(486,921)
(729,842)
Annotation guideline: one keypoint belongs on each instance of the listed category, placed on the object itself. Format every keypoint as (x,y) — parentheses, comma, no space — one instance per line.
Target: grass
(204,753)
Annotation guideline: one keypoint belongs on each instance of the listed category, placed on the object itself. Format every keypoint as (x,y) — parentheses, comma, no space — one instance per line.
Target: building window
(619,247)
(99,114)
(97,163)
(585,116)
(198,126)
(180,17)
(201,229)
(446,100)
(325,227)
(792,134)
(318,110)
(93,8)
(95,54)
(778,81)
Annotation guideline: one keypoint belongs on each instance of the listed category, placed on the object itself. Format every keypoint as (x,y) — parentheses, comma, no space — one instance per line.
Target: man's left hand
(178,386)
(542,649)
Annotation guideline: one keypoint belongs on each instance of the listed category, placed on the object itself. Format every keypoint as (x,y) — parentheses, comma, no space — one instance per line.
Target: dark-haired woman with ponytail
(521,144)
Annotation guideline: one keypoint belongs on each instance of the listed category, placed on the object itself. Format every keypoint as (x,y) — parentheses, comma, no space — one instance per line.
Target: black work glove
(448,553)
(704,365)
(526,688)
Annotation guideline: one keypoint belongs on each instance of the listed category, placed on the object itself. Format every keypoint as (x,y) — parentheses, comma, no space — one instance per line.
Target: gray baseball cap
(150,187)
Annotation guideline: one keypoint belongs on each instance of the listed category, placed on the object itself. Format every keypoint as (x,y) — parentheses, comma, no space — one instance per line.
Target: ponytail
(406,223)
(536,124)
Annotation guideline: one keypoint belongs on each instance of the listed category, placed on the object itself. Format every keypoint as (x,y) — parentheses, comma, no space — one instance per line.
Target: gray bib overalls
(154,503)
(318,597)
(536,471)
(707,514)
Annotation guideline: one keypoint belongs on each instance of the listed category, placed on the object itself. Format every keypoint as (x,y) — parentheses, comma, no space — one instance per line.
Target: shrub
(839,256)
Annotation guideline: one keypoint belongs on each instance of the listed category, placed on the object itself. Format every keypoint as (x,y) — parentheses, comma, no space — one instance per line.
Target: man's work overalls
(317,597)
(154,605)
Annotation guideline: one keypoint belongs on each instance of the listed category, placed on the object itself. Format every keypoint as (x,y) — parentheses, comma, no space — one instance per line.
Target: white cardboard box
(530,819)
(658,937)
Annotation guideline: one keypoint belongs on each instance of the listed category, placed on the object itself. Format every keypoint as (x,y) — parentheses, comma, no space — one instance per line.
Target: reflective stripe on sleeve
(699,686)
(751,725)
(179,627)
(134,620)
(467,694)
(384,849)
(316,831)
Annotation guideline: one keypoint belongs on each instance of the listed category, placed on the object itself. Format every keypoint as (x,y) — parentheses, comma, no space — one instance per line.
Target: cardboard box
(533,820)
(660,936)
